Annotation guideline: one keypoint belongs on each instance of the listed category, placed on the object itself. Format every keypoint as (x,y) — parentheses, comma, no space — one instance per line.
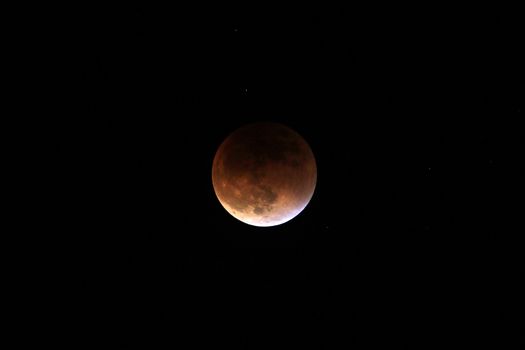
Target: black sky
(409,113)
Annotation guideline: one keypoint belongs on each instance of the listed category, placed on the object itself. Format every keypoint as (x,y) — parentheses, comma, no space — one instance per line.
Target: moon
(264,174)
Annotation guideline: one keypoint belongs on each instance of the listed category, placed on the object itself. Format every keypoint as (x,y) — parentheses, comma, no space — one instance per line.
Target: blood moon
(264,174)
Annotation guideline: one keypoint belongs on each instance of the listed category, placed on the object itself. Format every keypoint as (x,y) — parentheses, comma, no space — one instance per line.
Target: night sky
(405,243)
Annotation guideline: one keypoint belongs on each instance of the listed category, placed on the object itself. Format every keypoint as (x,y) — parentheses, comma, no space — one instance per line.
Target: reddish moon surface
(264,174)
